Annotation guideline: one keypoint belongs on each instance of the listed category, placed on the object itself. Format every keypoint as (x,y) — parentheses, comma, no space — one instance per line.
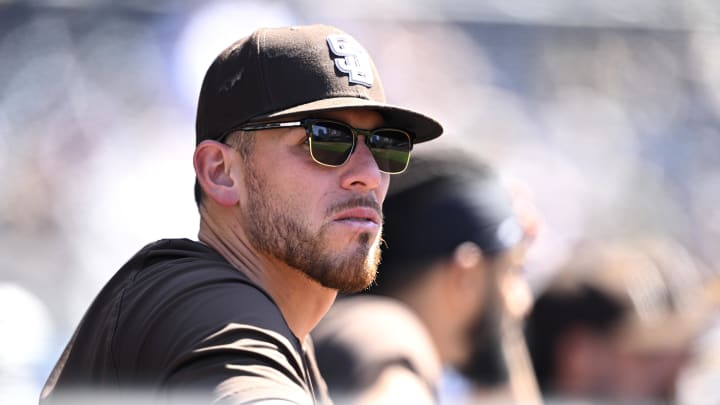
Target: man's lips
(359,214)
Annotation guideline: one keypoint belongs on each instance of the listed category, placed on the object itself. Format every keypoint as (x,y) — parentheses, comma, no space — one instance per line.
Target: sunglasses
(332,142)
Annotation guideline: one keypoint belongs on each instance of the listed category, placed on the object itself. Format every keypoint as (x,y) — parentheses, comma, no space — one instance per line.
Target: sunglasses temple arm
(272,125)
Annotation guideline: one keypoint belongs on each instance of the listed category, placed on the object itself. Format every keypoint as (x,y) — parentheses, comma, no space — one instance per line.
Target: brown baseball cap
(280,72)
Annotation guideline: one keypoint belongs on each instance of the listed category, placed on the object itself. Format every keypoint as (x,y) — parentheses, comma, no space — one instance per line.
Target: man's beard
(485,365)
(275,227)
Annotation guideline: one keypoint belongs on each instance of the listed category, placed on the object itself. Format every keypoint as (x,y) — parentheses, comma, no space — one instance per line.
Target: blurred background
(606,113)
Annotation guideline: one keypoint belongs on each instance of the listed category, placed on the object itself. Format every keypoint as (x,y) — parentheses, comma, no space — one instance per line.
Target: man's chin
(347,267)
(349,278)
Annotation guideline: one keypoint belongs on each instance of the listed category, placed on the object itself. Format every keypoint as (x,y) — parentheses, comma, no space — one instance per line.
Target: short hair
(555,313)
(623,285)
(442,200)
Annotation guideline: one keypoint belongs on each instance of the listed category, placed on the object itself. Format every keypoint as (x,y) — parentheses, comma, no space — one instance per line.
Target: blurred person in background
(618,322)
(295,147)
(452,248)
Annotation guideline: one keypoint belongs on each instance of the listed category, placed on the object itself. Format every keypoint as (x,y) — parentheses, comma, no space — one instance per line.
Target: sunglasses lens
(330,143)
(391,149)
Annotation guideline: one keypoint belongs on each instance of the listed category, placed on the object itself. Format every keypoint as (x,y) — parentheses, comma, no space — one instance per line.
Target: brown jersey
(178,322)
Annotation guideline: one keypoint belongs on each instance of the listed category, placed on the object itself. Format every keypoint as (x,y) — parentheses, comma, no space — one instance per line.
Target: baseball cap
(442,200)
(290,71)
(664,296)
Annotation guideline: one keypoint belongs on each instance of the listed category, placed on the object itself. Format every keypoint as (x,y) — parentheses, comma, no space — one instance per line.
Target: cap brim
(675,330)
(668,333)
(424,127)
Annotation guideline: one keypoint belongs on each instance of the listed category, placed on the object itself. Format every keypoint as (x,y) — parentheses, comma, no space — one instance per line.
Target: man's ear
(213,162)
(467,255)
(465,272)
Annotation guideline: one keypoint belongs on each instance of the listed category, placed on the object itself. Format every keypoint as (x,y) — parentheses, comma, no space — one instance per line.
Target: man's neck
(302,300)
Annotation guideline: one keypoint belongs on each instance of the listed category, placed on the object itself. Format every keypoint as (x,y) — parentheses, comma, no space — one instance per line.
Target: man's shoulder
(187,285)
(374,314)
(182,253)
(365,318)
(363,335)
(170,299)
(182,263)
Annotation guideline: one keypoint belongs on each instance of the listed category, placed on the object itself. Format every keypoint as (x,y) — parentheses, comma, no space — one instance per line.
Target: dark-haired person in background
(617,322)
(295,147)
(451,241)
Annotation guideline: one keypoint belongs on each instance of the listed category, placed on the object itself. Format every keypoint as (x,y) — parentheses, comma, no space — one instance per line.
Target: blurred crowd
(605,121)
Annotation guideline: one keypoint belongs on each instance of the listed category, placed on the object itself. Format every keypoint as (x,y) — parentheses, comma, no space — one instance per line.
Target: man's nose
(361,170)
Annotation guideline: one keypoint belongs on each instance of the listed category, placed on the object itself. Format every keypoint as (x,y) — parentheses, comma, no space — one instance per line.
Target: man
(295,144)
(617,322)
(451,242)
